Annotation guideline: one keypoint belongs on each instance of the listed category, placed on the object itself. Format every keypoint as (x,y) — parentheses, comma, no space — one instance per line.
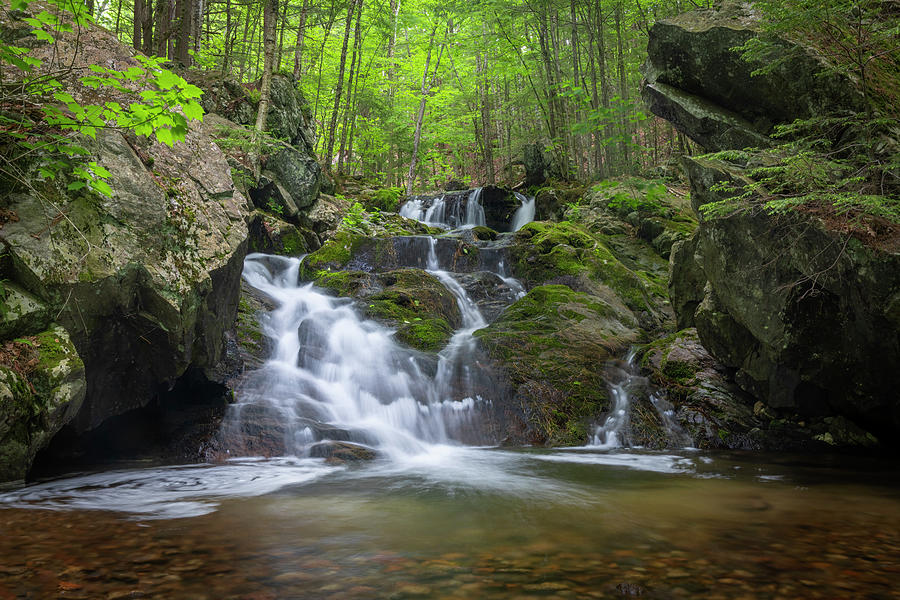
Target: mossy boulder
(271,235)
(376,249)
(804,314)
(384,199)
(414,302)
(549,252)
(42,386)
(552,345)
(696,80)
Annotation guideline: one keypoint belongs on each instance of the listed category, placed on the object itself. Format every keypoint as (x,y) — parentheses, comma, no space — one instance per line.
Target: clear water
(431,517)
(461,522)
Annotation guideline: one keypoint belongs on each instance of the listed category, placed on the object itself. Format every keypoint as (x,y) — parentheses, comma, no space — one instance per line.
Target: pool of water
(462,523)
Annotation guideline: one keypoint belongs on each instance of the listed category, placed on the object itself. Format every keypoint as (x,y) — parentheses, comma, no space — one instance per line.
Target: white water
(333,368)
(525,213)
(442,213)
(624,381)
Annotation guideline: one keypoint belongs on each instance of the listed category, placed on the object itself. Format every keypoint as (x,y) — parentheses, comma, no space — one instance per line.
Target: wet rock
(550,345)
(424,312)
(271,235)
(341,452)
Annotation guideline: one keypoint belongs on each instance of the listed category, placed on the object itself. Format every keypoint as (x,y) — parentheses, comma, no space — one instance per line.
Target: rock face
(125,293)
(808,318)
(698,82)
(148,277)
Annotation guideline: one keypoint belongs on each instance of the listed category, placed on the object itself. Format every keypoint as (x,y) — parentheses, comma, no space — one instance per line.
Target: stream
(441,511)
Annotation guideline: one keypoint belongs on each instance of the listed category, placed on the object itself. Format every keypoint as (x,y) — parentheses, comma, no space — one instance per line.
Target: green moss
(484,233)
(387,199)
(552,343)
(428,335)
(679,371)
(343,283)
(333,255)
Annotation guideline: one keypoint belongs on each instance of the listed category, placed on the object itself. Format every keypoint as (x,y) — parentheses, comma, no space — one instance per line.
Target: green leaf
(166,80)
(102,187)
(192,110)
(75,185)
(165,136)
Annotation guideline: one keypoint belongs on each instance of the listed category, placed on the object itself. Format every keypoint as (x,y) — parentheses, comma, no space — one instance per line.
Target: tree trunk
(623,90)
(184,22)
(140,15)
(354,67)
(270,13)
(162,28)
(332,128)
(301,33)
(411,178)
(226,57)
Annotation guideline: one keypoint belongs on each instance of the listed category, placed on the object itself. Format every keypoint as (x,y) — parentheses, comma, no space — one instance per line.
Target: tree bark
(411,178)
(301,34)
(270,13)
(332,128)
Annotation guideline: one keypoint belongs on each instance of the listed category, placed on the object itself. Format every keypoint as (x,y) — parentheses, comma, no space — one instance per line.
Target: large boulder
(145,281)
(807,317)
(42,386)
(698,81)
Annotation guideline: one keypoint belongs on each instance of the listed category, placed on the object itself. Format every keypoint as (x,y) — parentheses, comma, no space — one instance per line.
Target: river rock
(806,316)
(551,345)
(695,79)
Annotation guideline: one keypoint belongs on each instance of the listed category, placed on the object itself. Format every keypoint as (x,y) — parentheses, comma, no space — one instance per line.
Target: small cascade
(334,376)
(525,213)
(627,387)
(474,210)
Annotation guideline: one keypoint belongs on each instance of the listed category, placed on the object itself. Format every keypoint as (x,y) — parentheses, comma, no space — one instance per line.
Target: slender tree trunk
(226,57)
(162,28)
(604,87)
(411,178)
(270,14)
(197,24)
(354,66)
(301,34)
(281,28)
(484,92)
(576,81)
(623,90)
(332,128)
(245,52)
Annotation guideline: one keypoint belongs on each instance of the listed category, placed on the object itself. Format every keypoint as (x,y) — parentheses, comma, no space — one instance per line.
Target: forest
(462,87)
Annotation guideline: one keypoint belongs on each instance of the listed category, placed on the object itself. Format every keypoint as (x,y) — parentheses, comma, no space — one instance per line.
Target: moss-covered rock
(415,303)
(718,414)
(271,235)
(42,386)
(552,345)
(545,252)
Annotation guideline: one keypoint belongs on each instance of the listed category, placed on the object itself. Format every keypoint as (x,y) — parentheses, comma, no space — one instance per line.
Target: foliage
(51,138)
(355,216)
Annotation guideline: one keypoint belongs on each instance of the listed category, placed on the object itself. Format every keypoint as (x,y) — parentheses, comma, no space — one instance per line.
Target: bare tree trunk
(354,67)
(270,13)
(140,16)
(332,128)
(162,27)
(281,28)
(228,34)
(623,90)
(484,92)
(185,14)
(411,178)
(301,33)
(196,24)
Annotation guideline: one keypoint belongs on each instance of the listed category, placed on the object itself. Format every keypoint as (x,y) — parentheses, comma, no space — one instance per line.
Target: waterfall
(626,387)
(474,210)
(333,375)
(525,213)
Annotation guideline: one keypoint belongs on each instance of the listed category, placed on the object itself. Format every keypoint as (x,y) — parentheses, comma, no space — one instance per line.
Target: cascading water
(336,376)
(525,213)
(625,386)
